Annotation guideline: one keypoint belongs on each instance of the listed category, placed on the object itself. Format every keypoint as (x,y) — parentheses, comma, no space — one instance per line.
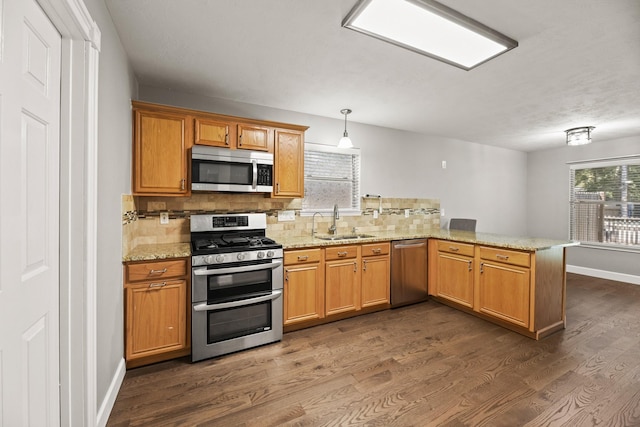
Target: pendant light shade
(345,141)
(579,136)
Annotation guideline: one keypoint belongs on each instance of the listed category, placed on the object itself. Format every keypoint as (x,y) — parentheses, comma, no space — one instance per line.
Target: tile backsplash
(141,216)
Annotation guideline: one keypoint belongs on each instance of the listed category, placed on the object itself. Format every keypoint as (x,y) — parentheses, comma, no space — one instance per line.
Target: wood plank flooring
(421,365)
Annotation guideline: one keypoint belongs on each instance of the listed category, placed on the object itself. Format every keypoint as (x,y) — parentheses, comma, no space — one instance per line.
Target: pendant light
(345,141)
(579,136)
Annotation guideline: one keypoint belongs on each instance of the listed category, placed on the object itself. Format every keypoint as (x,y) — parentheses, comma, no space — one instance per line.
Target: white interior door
(29,220)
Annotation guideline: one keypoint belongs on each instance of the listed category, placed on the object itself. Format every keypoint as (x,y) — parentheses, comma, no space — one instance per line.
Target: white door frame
(78,209)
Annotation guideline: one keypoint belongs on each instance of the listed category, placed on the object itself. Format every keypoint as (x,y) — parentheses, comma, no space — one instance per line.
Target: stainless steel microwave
(223,169)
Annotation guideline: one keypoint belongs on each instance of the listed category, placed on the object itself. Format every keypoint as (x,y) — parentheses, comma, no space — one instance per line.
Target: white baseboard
(112,393)
(603,274)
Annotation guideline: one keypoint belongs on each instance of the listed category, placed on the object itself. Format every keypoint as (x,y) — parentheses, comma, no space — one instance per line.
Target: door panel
(29,223)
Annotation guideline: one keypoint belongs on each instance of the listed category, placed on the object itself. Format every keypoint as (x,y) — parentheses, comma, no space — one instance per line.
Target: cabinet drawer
(506,256)
(341,252)
(155,270)
(372,249)
(455,247)
(302,256)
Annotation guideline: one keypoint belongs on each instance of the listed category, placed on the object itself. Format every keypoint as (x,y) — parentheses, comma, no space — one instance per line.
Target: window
(605,202)
(331,176)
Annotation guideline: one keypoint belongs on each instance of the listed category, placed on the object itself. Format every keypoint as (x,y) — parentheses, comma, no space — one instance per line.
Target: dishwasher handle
(408,245)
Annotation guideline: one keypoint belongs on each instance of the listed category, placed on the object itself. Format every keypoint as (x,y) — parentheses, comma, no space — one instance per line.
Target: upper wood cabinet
(160,142)
(212,132)
(163,136)
(289,163)
(253,137)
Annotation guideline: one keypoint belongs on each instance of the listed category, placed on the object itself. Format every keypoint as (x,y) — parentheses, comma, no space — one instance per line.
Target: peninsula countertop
(489,239)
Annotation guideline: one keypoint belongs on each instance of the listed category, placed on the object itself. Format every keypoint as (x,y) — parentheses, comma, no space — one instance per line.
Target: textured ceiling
(577,64)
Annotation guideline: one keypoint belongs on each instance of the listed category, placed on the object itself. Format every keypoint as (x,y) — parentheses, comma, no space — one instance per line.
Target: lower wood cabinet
(342,279)
(156,311)
(376,274)
(455,267)
(518,289)
(504,285)
(326,284)
(303,286)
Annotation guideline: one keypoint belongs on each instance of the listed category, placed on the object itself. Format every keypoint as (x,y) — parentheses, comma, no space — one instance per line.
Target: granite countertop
(520,243)
(149,252)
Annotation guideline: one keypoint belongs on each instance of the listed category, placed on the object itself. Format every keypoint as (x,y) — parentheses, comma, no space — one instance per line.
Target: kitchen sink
(345,237)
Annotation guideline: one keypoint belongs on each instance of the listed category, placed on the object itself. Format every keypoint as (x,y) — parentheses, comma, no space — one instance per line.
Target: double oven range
(236,284)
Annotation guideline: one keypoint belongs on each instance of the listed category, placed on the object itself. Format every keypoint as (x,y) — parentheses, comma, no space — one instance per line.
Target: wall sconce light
(579,136)
(345,141)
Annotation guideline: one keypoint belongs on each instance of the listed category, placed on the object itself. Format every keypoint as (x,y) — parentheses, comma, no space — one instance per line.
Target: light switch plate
(286,216)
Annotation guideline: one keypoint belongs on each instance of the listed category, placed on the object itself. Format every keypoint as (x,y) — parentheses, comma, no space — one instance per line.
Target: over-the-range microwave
(223,169)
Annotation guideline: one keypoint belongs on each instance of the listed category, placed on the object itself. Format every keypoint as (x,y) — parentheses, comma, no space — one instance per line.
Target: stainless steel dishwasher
(408,271)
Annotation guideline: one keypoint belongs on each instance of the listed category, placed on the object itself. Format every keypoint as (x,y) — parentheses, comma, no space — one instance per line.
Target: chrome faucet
(336,216)
(313,224)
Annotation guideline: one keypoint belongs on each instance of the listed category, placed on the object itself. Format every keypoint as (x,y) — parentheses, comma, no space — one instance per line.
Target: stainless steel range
(236,284)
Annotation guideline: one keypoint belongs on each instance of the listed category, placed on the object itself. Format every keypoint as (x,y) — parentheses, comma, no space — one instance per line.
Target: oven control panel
(227,258)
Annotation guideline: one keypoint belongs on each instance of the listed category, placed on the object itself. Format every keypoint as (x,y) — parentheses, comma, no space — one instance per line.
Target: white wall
(482,182)
(117,85)
(548,201)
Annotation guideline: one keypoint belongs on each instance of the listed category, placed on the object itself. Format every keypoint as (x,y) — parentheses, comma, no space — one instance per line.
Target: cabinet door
(289,164)
(211,132)
(375,281)
(156,318)
(342,286)
(504,292)
(455,278)
(251,137)
(303,293)
(160,155)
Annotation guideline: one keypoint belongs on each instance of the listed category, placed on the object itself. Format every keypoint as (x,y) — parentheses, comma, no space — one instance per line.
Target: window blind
(332,176)
(605,202)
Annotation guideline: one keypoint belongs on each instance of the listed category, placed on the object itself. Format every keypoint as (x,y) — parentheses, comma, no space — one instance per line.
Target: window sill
(609,247)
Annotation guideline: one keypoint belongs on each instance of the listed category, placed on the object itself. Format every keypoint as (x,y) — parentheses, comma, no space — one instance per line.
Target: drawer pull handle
(481,267)
(343,254)
(303,257)
(504,257)
(364,265)
(164,270)
(355,267)
(454,249)
(470,265)
(158,285)
(376,250)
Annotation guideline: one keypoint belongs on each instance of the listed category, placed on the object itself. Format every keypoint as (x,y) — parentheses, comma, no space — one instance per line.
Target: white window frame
(599,163)
(354,210)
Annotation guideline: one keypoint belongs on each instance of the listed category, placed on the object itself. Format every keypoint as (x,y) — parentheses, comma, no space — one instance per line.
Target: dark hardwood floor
(421,365)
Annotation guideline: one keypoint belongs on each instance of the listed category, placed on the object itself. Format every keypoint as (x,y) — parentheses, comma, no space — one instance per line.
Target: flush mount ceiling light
(345,141)
(429,28)
(579,136)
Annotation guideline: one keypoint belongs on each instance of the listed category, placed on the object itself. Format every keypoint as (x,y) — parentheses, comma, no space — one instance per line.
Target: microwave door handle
(206,307)
(254,183)
(230,270)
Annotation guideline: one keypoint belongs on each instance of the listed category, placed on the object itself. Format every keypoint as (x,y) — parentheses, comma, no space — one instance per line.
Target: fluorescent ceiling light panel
(429,28)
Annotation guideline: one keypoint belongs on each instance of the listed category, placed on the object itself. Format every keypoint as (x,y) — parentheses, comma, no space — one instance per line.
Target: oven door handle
(207,307)
(231,270)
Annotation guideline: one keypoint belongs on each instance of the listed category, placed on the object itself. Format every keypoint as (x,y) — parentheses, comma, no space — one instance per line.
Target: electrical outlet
(444,164)
(164,217)
(442,212)
(286,216)
(407,212)
(375,214)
